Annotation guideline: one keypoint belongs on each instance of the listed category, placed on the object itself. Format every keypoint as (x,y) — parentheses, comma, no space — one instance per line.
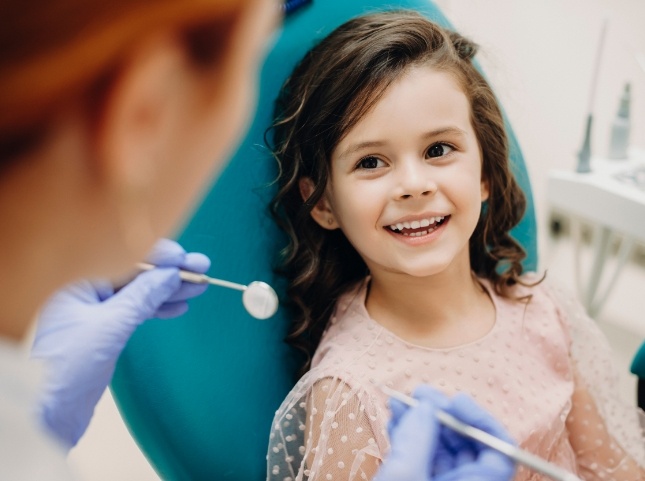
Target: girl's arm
(604,429)
(340,440)
(327,429)
(598,454)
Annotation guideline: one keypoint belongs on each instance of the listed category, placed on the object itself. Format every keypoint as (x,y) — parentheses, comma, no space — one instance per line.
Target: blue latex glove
(424,450)
(83,329)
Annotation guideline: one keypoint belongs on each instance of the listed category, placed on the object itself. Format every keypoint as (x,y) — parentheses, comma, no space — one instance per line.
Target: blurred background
(540,58)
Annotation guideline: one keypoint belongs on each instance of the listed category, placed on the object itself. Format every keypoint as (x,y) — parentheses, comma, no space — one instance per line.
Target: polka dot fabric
(544,370)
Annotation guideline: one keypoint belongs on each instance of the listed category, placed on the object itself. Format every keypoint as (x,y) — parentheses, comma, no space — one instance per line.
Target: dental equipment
(516,454)
(259,298)
(584,156)
(620,127)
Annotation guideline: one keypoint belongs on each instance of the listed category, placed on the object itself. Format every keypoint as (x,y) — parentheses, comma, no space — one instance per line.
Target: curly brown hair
(329,91)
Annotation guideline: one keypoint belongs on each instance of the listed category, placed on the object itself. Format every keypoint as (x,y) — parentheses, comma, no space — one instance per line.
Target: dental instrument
(516,454)
(259,298)
(584,156)
(620,127)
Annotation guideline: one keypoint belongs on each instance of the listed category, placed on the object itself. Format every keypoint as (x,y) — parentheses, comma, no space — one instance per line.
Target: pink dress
(556,400)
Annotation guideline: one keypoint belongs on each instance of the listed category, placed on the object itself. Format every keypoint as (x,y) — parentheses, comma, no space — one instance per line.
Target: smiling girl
(398,198)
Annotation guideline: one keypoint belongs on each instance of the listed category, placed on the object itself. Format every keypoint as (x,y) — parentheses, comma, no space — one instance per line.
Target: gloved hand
(83,329)
(424,450)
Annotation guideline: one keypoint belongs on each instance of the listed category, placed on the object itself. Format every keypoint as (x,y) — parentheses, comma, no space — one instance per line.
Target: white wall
(539,55)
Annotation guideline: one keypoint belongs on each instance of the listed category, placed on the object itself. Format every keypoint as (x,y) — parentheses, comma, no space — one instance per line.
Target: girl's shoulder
(537,288)
(327,388)
(542,305)
(550,301)
(540,288)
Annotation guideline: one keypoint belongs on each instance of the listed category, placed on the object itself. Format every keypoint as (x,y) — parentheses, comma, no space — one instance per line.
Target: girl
(397,196)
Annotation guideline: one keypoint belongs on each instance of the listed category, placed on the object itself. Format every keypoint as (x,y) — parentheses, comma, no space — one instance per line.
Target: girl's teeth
(415,224)
(419,234)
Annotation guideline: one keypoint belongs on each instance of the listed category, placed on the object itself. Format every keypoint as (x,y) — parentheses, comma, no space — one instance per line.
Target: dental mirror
(259,298)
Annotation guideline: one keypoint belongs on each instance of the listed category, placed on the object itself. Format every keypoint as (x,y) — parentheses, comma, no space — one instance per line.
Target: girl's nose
(415,180)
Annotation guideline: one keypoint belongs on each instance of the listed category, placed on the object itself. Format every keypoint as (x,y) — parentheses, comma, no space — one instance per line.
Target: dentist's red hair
(55,51)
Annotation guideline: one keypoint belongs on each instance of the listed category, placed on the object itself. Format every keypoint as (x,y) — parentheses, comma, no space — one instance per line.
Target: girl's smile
(417,232)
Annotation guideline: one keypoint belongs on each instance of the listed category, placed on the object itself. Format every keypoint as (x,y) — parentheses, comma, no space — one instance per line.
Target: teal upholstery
(638,363)
(638,368)
(198,393)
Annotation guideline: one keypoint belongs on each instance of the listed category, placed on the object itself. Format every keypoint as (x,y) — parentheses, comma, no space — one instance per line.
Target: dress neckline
(357,303)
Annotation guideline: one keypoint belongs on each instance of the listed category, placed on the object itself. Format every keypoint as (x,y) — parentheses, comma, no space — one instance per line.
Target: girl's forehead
(421,99)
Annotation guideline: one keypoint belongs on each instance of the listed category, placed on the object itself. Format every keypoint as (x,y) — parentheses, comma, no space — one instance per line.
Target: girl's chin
(419,272)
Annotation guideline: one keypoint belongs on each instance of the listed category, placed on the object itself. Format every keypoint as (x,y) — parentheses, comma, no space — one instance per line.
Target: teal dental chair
(638,369)
(199,393)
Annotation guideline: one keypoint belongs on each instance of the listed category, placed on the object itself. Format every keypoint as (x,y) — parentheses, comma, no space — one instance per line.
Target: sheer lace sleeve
(328,428)
(604,430)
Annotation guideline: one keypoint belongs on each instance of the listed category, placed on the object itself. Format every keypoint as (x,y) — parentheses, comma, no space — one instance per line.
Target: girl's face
(406,186)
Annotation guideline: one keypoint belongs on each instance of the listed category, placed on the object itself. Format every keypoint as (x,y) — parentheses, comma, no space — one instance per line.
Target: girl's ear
(484,190)
(322,212)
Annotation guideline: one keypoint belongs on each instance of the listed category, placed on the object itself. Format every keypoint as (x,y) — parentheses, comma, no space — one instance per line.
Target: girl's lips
(419,236)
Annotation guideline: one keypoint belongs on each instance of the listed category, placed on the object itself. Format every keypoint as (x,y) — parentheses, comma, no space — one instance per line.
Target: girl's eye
(370,163)
(439,150)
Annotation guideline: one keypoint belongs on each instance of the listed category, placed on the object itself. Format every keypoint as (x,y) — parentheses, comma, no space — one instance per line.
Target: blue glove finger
(495,462)
(398,409)
(145,294)
(456,443)
(477,471)
(432,395)
(196,262)
(82,291)
(465,456)
(444,459)
(473,460)
(464,408)
(413,445)
(471,464)
(167,252)
(187,290)
(171,309)
(429,394)
(104,288)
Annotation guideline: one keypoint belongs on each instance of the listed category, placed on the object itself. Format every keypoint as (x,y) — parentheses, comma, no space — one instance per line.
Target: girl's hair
(55,51)
(330,90)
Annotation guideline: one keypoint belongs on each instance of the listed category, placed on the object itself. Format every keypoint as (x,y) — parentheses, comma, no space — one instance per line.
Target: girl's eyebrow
(360,146)
(452,130)
(445,131)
